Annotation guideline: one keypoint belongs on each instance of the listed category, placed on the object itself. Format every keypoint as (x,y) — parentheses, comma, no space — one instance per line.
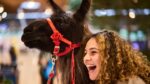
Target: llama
(39,35)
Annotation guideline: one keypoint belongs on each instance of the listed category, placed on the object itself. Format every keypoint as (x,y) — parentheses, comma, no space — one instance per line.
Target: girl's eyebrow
(93,48)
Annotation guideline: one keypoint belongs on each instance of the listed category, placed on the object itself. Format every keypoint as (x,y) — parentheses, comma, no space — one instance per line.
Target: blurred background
(21,65)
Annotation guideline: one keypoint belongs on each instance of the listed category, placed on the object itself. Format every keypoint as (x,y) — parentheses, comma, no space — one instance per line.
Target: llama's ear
(80,14)
(55,7)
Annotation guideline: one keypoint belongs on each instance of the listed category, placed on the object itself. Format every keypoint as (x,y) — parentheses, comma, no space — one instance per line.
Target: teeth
(90,65)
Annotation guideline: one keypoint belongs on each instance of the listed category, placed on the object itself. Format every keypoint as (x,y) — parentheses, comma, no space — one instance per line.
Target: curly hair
(119,60)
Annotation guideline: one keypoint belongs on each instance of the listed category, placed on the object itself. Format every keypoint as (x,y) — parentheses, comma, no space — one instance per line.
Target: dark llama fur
(37,35)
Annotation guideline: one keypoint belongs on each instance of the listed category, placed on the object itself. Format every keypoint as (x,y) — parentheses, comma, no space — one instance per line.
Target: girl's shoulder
(132,80)
(136,80)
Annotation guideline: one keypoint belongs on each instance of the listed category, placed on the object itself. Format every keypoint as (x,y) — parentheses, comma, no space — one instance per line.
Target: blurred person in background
(13,56)
(8,71)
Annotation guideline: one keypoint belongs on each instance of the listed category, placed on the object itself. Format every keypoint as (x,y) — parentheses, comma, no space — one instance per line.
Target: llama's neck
(58,77)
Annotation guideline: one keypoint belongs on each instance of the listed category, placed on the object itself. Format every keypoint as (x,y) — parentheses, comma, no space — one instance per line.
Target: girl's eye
(93,52)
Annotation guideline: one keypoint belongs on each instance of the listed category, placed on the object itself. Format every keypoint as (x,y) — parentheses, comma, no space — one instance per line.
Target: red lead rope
(57,37)
(72,71)
(72,68)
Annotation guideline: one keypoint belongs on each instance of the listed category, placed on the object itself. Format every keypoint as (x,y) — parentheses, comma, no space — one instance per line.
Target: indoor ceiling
(121,4)
(11,6)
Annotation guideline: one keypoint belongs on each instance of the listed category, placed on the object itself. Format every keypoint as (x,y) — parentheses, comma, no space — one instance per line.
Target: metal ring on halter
(54,58)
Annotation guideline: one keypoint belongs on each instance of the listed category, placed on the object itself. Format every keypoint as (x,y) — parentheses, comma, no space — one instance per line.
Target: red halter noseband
(57,37)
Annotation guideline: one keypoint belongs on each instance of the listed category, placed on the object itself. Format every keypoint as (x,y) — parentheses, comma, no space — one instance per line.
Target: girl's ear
(80,14)
(55,7)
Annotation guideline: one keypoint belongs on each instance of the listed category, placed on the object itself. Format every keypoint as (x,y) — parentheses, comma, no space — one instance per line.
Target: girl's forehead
(91,44)
(97,42)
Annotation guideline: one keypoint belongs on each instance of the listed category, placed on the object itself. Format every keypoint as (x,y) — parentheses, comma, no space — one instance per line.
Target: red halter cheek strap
(57,37)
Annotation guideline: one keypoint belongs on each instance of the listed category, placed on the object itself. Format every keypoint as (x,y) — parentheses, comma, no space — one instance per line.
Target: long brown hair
(119,60)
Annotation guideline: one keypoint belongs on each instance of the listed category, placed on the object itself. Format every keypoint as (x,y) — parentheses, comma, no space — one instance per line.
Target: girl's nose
(87,57)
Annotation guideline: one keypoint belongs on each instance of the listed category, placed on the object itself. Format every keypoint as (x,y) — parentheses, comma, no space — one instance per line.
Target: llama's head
(37,34)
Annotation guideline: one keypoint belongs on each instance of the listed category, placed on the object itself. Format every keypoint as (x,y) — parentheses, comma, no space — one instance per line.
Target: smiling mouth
(91,68)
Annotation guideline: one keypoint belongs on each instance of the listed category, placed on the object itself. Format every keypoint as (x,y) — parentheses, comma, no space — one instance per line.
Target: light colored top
(134,80)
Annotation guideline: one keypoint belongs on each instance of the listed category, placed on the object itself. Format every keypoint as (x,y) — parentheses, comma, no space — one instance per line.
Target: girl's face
(92,58)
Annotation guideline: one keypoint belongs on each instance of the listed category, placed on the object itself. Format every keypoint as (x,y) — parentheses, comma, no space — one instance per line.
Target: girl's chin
(92,78)
(93,75)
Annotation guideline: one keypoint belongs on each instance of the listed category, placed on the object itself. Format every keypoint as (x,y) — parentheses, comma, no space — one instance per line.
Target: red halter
(57,37)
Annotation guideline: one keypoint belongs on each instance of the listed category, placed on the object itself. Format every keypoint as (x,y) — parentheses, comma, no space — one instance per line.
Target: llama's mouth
(32,37)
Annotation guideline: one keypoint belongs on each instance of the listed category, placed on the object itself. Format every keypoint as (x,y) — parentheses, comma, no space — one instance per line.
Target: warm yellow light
(0,17)
(48,11)
(132,14)
(1,9)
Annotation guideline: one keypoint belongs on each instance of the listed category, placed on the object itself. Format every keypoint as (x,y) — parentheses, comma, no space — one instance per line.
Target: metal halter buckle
(54,58)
